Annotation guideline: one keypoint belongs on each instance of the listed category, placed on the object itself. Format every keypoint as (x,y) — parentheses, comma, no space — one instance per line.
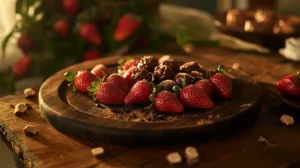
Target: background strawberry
(100,71)
(90,55)
(119,81)
(166,101)
(21,68)
(127,75)
(130,64)
(107,93)
(128,24)
(89,32)
(222,85)
(70,7)
(290,84)
(82,81)
(61,27)
(26,43)
(194,97)
(206,86)
(139,93)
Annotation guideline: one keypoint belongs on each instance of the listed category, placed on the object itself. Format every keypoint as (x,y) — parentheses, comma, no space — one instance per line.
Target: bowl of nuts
(263,27)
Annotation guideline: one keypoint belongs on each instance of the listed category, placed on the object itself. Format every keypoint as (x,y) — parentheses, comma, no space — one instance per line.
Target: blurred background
(17,19)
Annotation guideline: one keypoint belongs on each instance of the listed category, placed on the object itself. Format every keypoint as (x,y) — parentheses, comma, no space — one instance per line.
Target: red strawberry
(90,55)
(119,81)
(127,75)
(290,84)
(20,69)
(206,86)
(194,97)
(61,27)
(109,93)
(166,101)
(128,24)
(130,64)
(139,93)
(70,7)
(222,85)
(82,81)
(89,32)
(26,43)
(100,71)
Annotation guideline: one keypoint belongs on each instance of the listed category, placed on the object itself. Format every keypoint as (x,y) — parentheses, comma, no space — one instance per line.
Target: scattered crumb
(29,92)
(20,108)
(30,130)
(246,105)
(266,142)
(217,116)
(164,58)
(191,155)
(97,151)
(174,158)
(203,121)
(12,106)
(287,120)
(210,117)
(236,66)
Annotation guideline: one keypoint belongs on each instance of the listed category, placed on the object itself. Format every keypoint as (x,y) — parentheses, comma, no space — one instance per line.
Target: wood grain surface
(51,148)
(76,113)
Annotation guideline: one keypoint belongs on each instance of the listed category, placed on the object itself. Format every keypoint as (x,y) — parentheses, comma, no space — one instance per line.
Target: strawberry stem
(297,79)
(184,82)
(150,107)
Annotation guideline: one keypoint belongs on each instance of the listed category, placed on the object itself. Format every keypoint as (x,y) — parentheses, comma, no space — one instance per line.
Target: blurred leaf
(5,42)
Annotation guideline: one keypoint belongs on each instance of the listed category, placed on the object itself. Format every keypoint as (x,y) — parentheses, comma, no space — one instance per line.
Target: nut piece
(236,66)
(30,130)
(287,120)
(174,158)
(20,108)
(191,155)
(97,151)
(29,92)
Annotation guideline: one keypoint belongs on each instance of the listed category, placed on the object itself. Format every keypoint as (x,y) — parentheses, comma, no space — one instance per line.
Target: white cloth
(292,49)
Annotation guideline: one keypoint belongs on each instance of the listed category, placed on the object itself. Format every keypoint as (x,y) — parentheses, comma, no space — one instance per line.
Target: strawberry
(127,75)
(70,7)
(194,97)
(130,64)
(89,32)
(107,93)
(127,25)
(61,27)
(100,71)
(168,102)
(119,81)
(26,43)
(221,82)
(139,93)
(82,81)
(290,84)
(206,86)
(21,68)
(90,55)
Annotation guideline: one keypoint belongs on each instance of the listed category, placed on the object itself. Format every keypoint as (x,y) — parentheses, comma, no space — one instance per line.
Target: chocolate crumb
(12,106)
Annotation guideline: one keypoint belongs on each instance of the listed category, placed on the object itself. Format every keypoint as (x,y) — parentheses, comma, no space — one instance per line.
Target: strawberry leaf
(176,89)
(92,89)
(184,82)
(69,76)
(297,80)
(121,62)
(94,84)
(152,97)
(221,69)
(129,59)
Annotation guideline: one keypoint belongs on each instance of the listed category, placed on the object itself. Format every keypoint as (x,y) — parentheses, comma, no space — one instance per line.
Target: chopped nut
(191,155)
(20,108)
(174,158)
(236,66)
(287,120)
(29,92)
(30,130)
(261,139)
(97,151)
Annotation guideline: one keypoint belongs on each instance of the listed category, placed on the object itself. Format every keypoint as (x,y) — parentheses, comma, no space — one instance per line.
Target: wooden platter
(76,113)
(293,102)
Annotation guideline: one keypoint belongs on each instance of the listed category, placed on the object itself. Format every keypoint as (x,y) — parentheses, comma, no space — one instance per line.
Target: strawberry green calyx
(93,88)
(122,62)
(297,79)
(184,82)
(70,77)
(176,89)
(221,69)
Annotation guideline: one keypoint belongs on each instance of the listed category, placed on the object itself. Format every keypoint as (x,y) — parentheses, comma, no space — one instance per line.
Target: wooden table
(51,148)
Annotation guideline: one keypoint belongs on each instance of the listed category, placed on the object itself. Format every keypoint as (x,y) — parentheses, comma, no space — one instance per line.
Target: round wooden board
(75,113)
